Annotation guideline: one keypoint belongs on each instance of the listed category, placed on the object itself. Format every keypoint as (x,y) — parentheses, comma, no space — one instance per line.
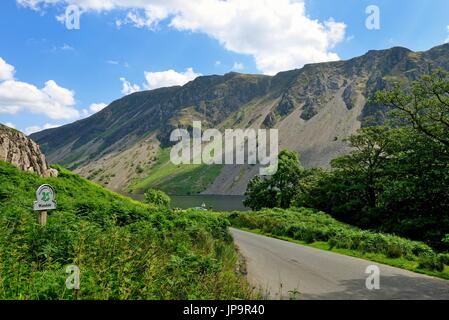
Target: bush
(444,258)
(310,226)
(125,249)
(431,262)
(157,198)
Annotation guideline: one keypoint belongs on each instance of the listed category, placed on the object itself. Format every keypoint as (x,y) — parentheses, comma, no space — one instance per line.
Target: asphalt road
(280,269)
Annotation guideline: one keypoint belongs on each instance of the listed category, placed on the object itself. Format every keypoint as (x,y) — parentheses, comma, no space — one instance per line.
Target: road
(279,269)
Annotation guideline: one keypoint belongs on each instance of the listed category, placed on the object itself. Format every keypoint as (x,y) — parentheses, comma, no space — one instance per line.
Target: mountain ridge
(314,108)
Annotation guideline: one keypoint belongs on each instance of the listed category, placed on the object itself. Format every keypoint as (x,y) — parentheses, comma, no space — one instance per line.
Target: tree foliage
(279,189)
(425,106)
(157,198)
(396,177)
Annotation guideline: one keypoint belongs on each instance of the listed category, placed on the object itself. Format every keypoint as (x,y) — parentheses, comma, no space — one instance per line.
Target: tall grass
(124,249)
(311,226)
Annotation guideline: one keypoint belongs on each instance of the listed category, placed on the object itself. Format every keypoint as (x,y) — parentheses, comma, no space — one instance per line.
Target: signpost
(45,200)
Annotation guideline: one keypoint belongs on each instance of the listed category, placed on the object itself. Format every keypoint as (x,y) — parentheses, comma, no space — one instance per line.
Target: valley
(315,108)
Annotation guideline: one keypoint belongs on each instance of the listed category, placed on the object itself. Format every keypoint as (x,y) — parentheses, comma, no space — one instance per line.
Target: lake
(217,202)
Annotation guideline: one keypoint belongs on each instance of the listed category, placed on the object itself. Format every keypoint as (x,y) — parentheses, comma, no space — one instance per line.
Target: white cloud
(238,66)
(278,34)
(217,63)
(34,129)
(128,87)
(150,19)
(95,107)
(160,79)
(9,124)
(6,70)
(52,100)
(169,78)
(66,47)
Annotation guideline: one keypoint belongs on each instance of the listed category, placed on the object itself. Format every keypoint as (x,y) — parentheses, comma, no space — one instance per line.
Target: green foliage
(310,226)
(124,249)
(259,194)
(425,105)
(175,179)
(396,179)
(278,190)
(157,198)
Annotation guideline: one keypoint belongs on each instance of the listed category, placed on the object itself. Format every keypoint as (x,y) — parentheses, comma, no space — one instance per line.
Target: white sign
(45,198)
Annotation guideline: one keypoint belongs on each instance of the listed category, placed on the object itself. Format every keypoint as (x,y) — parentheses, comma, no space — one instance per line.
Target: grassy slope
(172,179)
(124,249)
(318,230)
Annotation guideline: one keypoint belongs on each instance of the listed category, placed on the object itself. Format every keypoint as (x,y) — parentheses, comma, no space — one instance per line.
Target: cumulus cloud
(278,34)
(9,124)
(149,19)
(96,107)
(52,100)
(93,108)
(34,129)
(128,87)
(169,78)
(159,79)
(6,70)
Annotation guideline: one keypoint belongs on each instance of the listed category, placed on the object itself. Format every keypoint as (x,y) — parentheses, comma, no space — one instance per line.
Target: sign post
(45,200)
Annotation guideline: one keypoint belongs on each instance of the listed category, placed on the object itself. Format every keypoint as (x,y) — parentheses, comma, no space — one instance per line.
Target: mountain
(315,108)
(22,152)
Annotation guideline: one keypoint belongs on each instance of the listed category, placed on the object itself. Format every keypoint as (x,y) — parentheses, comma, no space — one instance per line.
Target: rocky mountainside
(315,108)
(23,152)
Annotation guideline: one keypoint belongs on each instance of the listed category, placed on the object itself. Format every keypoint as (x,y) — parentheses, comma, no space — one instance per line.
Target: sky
(54,71)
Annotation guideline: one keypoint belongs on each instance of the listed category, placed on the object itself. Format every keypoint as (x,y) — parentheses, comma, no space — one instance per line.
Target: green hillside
(173,179)
(124,249)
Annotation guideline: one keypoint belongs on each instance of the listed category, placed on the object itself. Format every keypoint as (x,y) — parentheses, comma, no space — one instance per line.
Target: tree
(280,189)
(157,197)
(366,161)
(425,106)
(259,194)
(396,179)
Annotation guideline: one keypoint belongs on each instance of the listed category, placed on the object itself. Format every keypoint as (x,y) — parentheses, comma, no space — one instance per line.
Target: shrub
(444,258)
(310,226)
(125,249)
(394,250)
(157,197)
(430,262)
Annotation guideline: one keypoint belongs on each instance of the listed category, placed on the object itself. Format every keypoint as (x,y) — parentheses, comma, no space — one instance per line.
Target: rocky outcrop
(17,149)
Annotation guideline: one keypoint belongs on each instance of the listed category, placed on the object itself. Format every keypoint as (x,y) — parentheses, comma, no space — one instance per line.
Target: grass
(173,179)
(125,249)
(318,230)
(375,257)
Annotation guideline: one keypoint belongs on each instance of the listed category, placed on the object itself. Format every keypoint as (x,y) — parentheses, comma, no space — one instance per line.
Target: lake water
(217,202)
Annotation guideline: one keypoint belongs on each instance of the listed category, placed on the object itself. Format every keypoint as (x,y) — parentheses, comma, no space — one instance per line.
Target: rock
(17,149)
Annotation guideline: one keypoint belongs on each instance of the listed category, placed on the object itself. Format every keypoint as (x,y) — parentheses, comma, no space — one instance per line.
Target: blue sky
(50,75)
